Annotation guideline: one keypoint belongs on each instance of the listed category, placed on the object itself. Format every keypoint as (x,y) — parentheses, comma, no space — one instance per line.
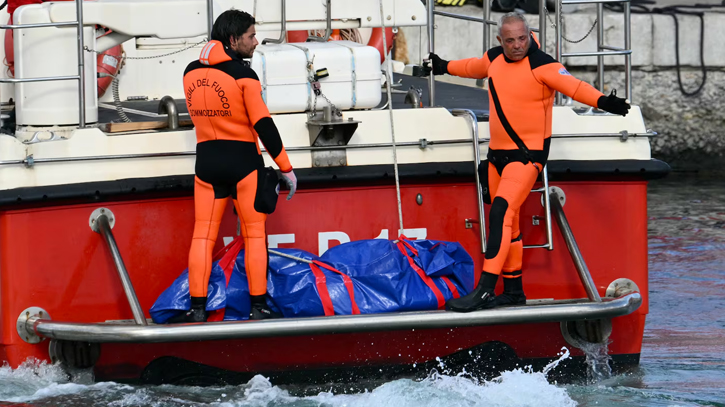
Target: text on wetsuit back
(216,87)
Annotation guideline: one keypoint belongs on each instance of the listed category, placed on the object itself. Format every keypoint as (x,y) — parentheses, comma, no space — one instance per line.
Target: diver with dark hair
(224,99)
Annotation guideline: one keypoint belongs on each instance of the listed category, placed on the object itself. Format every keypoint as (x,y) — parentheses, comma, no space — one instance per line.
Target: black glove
(613,104)
(435,64)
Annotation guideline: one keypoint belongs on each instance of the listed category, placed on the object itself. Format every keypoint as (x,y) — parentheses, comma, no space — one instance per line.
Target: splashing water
(37,382)
(597,360)
(563,355)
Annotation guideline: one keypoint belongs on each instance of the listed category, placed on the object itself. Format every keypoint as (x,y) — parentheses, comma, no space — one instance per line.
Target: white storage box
(354,81)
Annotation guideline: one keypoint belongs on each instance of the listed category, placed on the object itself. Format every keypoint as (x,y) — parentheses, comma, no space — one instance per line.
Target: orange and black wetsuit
(521,96)
(224,99)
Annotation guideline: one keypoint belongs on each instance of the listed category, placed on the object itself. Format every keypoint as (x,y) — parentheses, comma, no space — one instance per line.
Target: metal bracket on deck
(559,192)
(93,221)
(621,287)
(25,330)
(329,130)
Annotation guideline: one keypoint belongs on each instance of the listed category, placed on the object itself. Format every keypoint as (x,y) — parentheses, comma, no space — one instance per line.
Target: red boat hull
(50,258)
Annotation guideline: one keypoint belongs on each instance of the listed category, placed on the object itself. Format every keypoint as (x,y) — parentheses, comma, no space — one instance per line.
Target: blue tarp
(380,275)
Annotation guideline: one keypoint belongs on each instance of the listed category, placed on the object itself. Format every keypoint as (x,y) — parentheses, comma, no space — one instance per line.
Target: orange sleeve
(262,122)
(555,76)
(253,103)
(476,68)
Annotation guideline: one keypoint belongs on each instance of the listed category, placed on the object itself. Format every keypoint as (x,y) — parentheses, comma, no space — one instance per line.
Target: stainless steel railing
(81,77)
(603,50)
(431,48)
(576,255)
(102,224)
(338,324)
(476,162)
(30,161)
(549,245)
(328,25)
(283,28)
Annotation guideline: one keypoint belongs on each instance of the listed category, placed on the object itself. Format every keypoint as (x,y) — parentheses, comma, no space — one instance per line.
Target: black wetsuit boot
(480,298)
(197,313)
(513,292)
(260,309)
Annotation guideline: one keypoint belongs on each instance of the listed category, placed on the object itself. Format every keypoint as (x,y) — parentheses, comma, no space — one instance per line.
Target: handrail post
(547,204)
(81,67)
(100,223)
(476,163)
(542,24)
(558,42)
(486,28)
(576,256)
(431,48)
(209,18)
(600,46)
(628,46)
(167,106)
(283,28)
(328,29)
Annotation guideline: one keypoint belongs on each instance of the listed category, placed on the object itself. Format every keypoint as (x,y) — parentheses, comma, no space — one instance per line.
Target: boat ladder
(81,77)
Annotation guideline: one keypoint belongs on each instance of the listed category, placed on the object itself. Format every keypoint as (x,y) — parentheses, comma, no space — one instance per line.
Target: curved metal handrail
(103,226)
(124,333)
(476,161)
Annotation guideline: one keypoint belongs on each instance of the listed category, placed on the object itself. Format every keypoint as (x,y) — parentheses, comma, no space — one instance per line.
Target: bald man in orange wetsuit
(224,98)
(522,82)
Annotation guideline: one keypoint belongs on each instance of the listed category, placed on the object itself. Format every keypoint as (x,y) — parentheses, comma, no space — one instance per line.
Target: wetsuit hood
(214,53)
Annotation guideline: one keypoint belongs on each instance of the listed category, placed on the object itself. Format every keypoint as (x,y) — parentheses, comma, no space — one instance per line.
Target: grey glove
(291,180)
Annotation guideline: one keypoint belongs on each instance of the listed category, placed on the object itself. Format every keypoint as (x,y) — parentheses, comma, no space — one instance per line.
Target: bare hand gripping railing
(100,223)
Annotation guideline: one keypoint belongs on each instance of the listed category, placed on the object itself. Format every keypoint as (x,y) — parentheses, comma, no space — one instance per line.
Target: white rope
(388,79)
(289,256)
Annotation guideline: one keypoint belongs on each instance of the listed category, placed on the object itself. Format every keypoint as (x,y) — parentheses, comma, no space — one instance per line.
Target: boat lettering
(210,112)
(324,238)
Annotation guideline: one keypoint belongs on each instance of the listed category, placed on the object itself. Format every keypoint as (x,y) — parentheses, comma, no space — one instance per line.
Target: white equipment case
(285,70)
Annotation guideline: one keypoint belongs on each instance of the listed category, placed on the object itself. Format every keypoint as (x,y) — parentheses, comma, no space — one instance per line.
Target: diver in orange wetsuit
(522,82)
(224,98)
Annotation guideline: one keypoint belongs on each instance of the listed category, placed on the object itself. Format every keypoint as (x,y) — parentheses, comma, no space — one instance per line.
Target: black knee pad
(495,226)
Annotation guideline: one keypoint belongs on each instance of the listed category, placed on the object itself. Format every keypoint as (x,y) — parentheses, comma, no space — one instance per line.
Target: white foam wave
(520,387)
(35,380)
